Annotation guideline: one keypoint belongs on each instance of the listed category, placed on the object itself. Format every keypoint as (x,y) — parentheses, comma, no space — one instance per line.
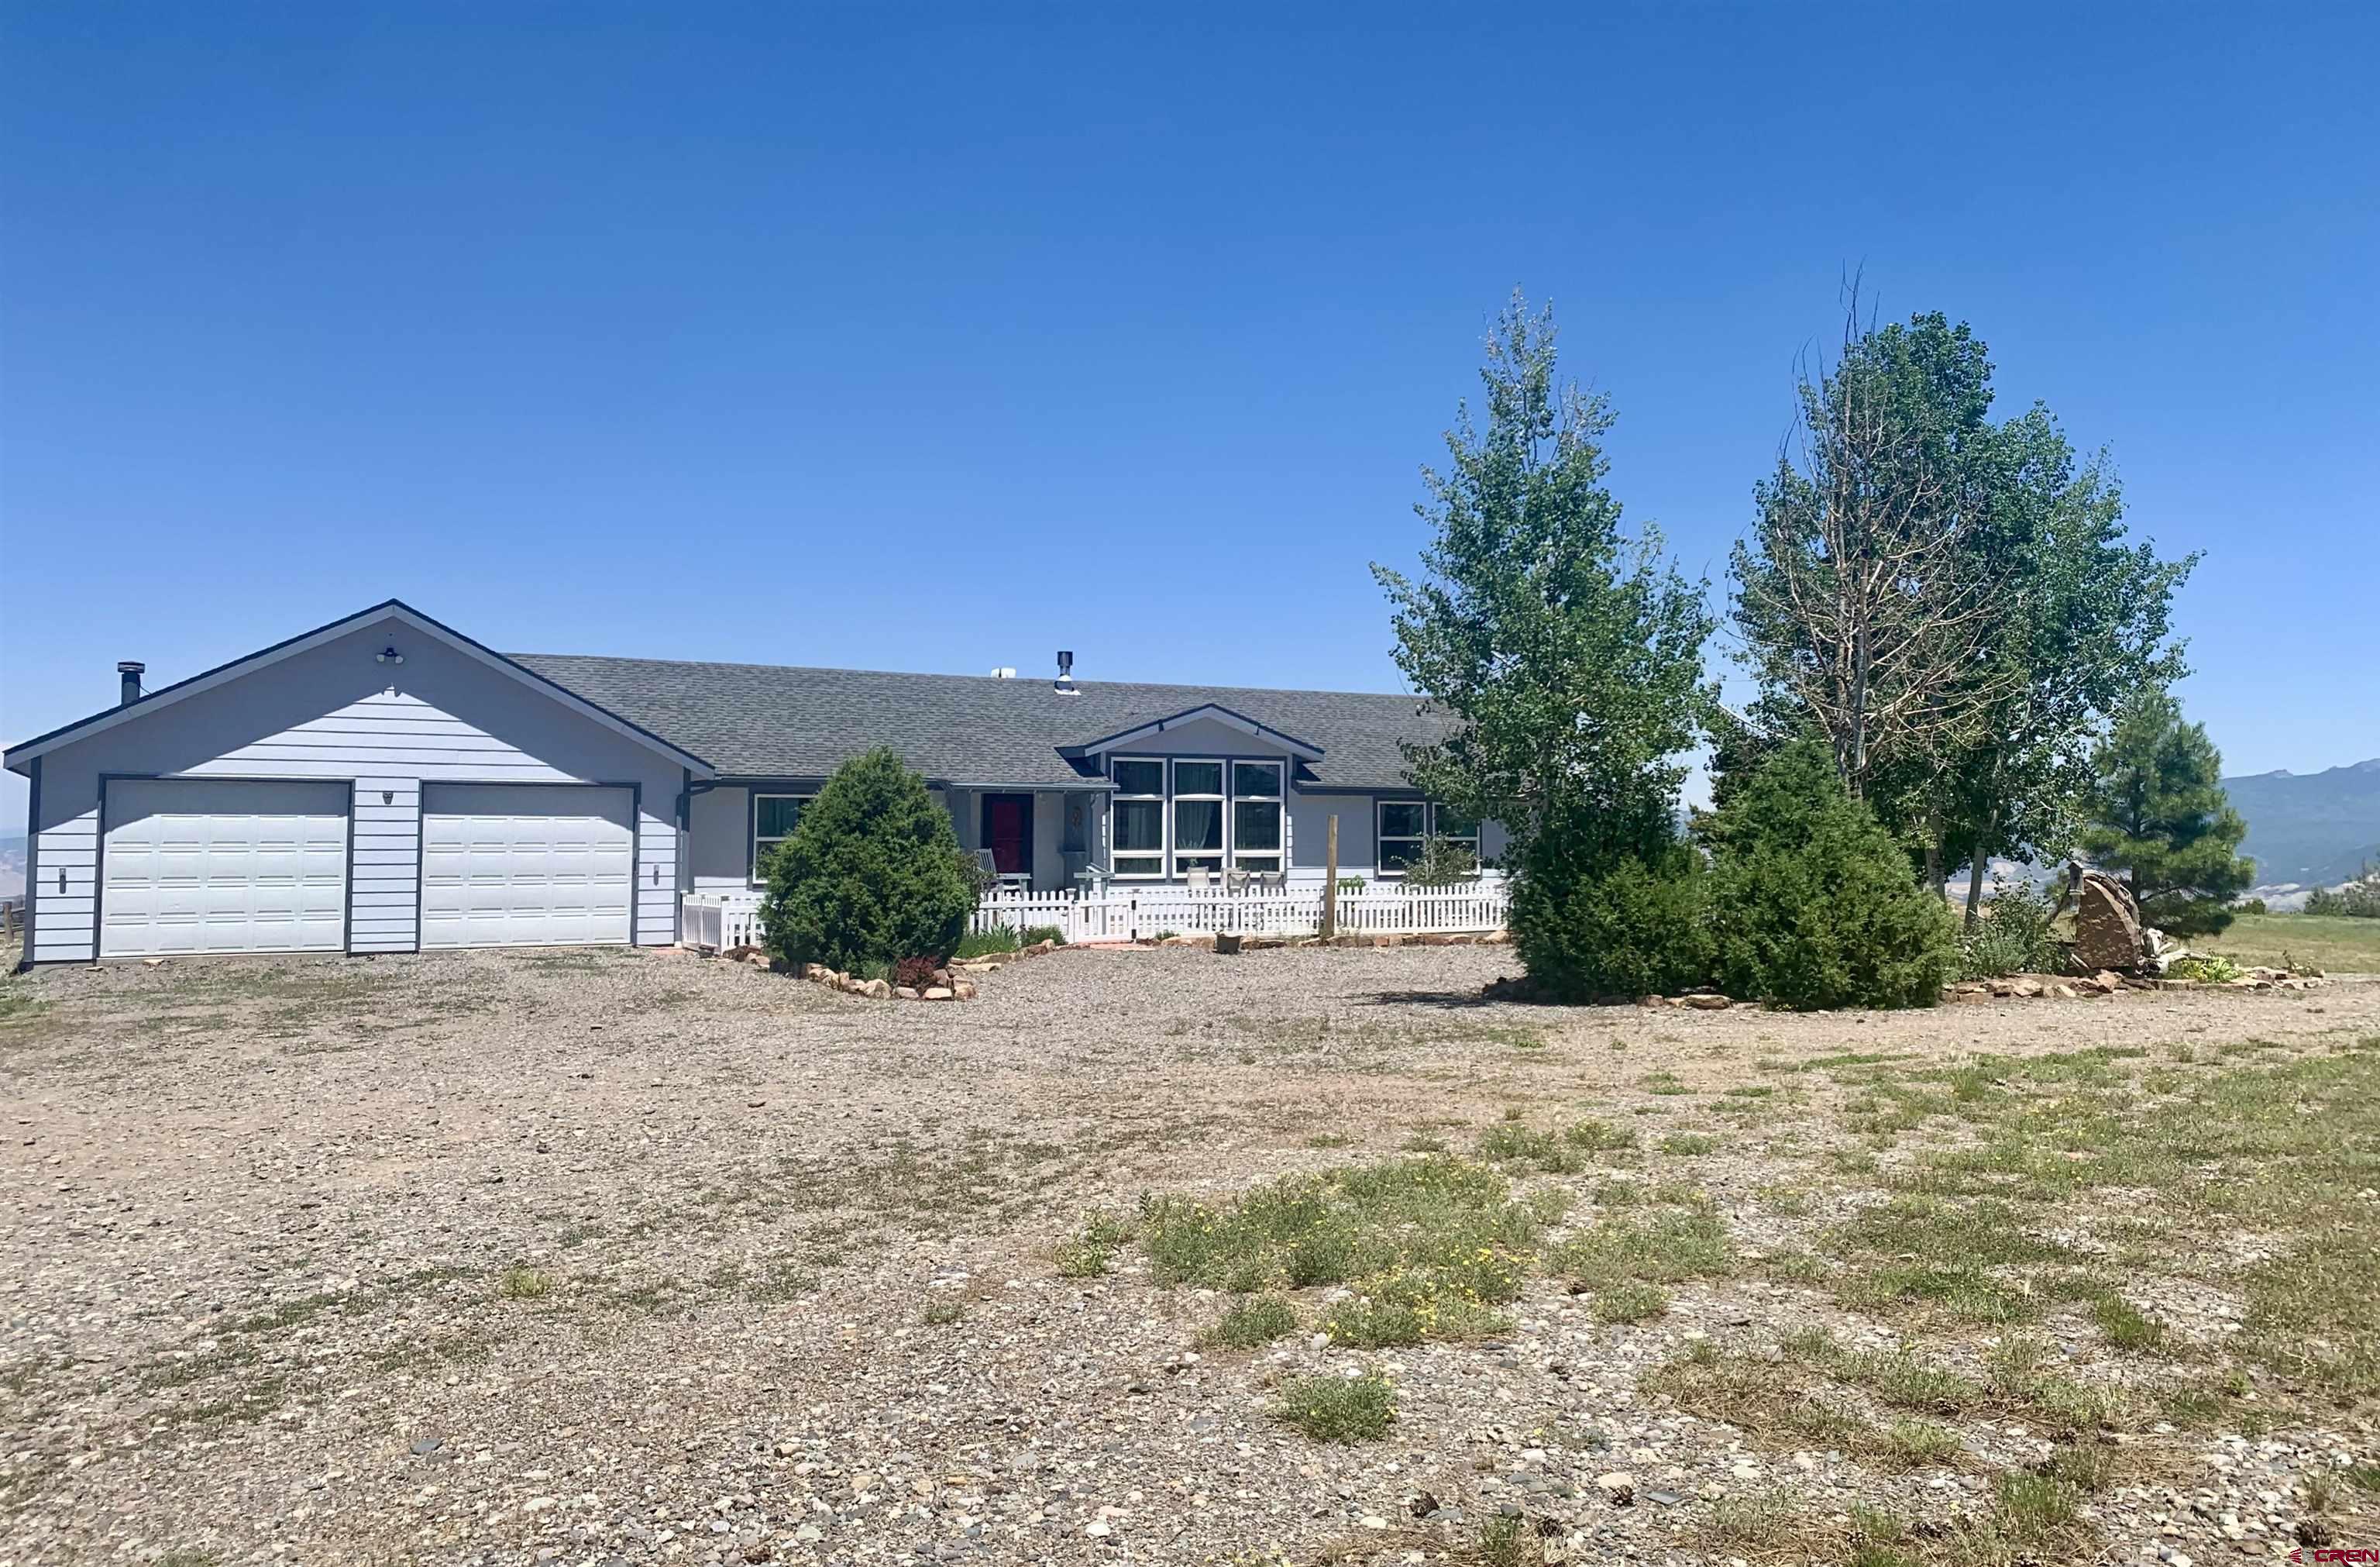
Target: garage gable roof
(21,757)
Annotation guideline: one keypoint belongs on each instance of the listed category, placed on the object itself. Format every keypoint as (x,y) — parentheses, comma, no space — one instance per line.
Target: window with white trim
(1136,819)
(1197,814)
(1255,816)
(1406,825)
(774,817)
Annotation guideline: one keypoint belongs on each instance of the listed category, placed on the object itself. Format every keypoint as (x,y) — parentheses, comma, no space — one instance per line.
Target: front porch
(1040,838)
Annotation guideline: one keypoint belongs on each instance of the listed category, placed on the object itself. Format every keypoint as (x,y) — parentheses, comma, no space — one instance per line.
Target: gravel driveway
(630,1257)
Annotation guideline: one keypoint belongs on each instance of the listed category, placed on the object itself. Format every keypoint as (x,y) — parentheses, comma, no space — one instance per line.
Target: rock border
(947,987)
(2107,981)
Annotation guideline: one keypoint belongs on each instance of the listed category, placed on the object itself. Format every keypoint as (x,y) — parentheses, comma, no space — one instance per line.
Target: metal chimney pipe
(132,670)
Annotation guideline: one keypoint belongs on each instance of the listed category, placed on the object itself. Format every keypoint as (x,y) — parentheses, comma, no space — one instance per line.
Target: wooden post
(1330,880)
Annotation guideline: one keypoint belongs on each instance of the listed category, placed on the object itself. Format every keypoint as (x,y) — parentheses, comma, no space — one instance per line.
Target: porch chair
(1195,878)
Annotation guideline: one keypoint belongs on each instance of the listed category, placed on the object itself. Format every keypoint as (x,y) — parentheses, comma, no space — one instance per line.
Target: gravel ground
(624,1257)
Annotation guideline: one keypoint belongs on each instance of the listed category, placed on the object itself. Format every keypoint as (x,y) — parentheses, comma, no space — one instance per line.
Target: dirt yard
(628,1257)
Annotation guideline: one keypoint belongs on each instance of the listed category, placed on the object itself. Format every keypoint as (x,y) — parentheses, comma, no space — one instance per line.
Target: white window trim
(1429,831)
(1222,853)
(758,878)
(1277,856)
(1164,825)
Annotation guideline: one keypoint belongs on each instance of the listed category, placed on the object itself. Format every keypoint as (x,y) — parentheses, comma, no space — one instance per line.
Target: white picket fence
(1135,913)
(721,921)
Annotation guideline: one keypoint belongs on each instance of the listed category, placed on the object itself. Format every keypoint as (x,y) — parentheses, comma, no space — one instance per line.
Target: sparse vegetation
(1338,1409)
(1431,1244)
(1250,1324)
(2016,1239)
(1092,1253)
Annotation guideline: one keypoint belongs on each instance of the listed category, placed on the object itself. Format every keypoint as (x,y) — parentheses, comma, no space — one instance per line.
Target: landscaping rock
(1706,1001)
(2108,932)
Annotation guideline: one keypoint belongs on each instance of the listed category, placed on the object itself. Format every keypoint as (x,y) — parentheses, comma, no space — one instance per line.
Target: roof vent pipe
(1065,683)
(130,670)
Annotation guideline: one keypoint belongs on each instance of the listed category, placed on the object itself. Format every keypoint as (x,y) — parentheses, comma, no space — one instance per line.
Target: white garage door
(217,866)
(525,865)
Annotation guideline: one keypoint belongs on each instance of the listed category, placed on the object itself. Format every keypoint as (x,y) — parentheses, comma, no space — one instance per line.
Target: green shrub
(1338,1409)
(2013,936)
(1441,863)
(1250,1324)
(2359,899)
(1812,903)
(981,943)
(1035,934)
(1594,921)
(872,874)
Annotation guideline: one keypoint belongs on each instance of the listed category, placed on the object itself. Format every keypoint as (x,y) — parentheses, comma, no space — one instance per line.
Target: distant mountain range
(2310,830)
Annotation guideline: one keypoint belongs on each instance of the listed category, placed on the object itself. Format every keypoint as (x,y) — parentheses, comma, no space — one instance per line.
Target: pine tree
(2160,814)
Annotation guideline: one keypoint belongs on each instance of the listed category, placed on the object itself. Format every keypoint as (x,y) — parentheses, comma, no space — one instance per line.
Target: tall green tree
(2158,813)
(1565,653)
(1951,602)
(2086,620)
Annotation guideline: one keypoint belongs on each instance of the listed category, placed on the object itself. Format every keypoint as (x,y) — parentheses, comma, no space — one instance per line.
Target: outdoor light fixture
(390,655)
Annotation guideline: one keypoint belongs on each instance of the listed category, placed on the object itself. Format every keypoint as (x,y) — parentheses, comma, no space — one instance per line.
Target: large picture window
(1138,816)
(1404,825)
(774,817)
(1255,816)
(1197,815)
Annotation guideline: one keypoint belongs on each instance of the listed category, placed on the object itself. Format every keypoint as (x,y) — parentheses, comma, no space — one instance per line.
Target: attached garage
(191,866)
(381,784)
(526,865)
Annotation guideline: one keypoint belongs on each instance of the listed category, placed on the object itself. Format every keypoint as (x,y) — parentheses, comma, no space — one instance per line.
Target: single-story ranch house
(385,784)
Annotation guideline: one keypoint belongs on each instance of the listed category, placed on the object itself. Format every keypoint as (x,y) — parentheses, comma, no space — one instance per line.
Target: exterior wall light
(389,655)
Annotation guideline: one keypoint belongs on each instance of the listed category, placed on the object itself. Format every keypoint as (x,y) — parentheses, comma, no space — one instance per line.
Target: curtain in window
(1197,826)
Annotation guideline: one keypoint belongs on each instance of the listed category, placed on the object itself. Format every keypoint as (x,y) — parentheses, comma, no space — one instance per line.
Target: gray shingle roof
(766,721)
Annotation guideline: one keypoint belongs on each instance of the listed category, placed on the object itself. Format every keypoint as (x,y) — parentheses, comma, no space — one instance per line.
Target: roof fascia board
(1214,710)
(18,756)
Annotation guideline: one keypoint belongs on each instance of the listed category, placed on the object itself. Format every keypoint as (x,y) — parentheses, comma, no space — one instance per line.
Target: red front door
(1008,832)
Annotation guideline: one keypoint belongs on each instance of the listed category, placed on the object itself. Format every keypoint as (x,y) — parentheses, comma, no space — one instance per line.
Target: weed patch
(1338,1409)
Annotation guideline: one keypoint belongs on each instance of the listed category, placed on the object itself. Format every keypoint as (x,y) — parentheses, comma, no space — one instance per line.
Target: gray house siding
(334,713)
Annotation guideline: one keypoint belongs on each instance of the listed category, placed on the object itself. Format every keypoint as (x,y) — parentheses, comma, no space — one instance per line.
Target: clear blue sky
(884,336)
